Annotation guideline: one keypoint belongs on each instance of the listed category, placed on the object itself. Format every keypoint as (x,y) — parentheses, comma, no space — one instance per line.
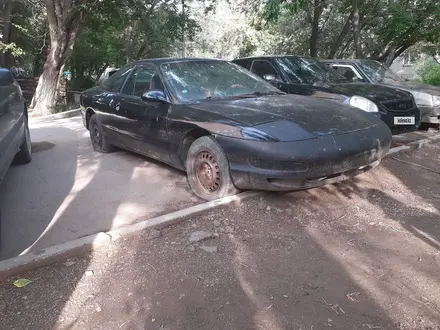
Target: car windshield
(192,81)
(378,72)
(309,71)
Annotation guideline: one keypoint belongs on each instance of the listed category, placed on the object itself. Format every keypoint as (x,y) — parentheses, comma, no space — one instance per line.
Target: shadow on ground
(24,192)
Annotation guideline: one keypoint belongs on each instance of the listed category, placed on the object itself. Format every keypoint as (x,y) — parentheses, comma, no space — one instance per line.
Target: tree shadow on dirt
(268,273)
(271,272)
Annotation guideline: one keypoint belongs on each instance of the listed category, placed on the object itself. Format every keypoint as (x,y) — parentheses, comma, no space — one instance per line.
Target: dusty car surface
(229,129)
(15,141)
(427,96)
(310,77)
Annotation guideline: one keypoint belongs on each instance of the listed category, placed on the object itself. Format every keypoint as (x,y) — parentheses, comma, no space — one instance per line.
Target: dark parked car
(310,77)
(228,128)
(427,96)
(15,141)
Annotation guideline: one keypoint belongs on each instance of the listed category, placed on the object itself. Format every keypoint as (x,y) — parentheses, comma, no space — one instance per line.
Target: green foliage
(11,48)
(273,9)
(127,30)
(430,73)
(387,27)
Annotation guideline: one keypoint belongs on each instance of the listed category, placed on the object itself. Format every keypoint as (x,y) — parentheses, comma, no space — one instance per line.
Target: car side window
(115,82)
(348,72)
(262,68)
(143,79)
(242,62)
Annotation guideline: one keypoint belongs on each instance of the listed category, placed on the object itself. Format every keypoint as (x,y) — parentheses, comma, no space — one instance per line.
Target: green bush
(430,73)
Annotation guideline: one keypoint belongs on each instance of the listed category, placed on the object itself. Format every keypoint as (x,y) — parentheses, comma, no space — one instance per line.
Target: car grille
(404,105)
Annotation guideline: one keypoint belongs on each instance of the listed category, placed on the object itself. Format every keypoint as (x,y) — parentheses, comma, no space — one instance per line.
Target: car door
(145,122)
(107,105)
(11,110)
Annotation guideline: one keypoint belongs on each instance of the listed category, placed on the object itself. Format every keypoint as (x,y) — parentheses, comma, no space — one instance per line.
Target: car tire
(208,170)
(99,140)
(24,156)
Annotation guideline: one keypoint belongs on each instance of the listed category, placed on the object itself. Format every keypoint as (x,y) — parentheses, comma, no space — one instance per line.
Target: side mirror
(154,95)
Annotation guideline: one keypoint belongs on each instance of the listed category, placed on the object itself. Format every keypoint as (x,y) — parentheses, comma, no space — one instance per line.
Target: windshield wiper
(246,95)
(258,94)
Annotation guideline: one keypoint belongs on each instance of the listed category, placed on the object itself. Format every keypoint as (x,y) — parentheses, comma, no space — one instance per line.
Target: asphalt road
(69,191)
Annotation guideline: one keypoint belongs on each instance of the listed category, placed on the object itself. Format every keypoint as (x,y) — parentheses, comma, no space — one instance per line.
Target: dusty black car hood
(289,112)
(429,89)
(375,93)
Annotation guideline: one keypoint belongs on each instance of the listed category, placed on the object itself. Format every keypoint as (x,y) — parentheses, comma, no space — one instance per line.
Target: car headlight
(436,100)
(363,104)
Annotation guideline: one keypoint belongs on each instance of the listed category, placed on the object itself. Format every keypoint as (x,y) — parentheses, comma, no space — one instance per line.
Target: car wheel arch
(188,140)
(89,113)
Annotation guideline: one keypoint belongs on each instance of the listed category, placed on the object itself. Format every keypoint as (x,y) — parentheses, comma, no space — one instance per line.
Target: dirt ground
(363,254)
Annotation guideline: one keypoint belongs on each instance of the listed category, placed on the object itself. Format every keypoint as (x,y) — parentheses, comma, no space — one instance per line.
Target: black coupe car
(228,128)
(308,76)
(427,96)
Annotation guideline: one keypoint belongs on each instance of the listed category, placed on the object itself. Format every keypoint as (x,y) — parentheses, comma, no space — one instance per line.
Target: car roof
(269,56)
(353,60)
(159,61)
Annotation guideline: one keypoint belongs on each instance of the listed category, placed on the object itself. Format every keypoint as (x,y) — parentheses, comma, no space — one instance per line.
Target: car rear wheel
(99,141)
(208,170)
(24,156)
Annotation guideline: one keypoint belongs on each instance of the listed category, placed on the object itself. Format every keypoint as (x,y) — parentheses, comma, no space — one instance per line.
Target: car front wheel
(208,170)
(99,141)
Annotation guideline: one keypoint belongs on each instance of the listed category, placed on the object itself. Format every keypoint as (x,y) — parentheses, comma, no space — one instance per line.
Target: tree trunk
(64,23)
(101,71)
(356,29)
(45,95)
(388,56)
(346,46)
(318,7)
(340,39)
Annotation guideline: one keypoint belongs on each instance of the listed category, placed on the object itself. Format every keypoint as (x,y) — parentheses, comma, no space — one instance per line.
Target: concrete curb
(61,115)
(23,263)
(413,145)
(26,262)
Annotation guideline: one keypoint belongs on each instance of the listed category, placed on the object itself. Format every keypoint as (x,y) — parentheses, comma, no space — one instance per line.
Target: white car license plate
(404,120)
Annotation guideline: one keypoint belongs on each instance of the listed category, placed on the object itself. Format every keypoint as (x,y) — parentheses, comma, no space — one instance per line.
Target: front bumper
(430,115)
(288,166)
(388,118)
